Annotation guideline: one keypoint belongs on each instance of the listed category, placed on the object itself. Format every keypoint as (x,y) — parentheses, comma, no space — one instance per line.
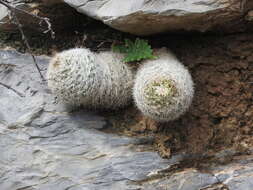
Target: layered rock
(141,17)
(144,17)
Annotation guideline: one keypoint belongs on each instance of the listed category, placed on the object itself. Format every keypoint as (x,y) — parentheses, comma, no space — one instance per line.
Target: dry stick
(12,9)
(9,87)
(27,44)
(45,19)
(13,12)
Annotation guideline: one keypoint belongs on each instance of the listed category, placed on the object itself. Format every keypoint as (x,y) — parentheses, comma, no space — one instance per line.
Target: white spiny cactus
(93,80)
(163,88)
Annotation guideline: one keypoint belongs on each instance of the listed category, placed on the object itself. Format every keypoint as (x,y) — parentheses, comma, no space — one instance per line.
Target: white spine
(163,88)
(98,81)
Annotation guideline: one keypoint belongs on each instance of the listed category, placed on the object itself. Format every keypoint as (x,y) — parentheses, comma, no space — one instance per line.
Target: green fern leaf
(135,51)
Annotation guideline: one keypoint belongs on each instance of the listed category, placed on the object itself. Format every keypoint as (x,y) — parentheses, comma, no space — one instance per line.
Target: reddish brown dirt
(222,112)
(221,116)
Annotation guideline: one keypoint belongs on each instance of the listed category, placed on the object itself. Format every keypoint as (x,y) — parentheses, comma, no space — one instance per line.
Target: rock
(237,175)
(45,147)
(185,180)
(155,16)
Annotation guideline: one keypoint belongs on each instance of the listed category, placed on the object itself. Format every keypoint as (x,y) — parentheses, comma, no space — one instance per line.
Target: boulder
(146,17)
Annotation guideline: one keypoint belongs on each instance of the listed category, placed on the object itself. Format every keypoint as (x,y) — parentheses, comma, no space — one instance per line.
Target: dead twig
(41,19)
(10,88)
(13,11)
(26,42)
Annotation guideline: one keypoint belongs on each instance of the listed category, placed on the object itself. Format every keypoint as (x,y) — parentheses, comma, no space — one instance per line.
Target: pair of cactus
(162,88)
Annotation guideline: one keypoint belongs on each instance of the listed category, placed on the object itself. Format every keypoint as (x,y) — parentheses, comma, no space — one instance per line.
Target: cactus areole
(161,93)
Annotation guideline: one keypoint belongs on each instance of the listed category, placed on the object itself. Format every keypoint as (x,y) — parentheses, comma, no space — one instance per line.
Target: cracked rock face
(43,147)
(145,17)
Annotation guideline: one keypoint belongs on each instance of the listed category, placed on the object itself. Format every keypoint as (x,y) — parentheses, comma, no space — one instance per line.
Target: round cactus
(163,88)
(93,80)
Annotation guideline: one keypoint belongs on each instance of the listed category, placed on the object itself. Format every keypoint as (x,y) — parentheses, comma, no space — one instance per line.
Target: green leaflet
(135,51)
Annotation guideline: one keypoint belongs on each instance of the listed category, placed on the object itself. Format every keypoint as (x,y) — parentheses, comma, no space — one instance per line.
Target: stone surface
(186,180)
(44,147)
(145,17)
(234,176)
(238,175)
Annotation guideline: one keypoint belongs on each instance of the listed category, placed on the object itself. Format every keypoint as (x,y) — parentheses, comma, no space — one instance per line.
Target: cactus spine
(93,80)
(163,88)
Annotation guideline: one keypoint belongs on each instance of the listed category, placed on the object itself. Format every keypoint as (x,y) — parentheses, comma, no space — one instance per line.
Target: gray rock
(237,175)
(185,180)
(145,17)
(45,147)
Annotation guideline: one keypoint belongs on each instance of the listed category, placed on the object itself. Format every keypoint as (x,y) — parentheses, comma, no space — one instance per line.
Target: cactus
(163,88)
(79,77)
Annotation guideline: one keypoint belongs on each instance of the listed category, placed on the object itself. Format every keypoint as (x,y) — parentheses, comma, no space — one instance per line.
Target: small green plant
(135,50)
